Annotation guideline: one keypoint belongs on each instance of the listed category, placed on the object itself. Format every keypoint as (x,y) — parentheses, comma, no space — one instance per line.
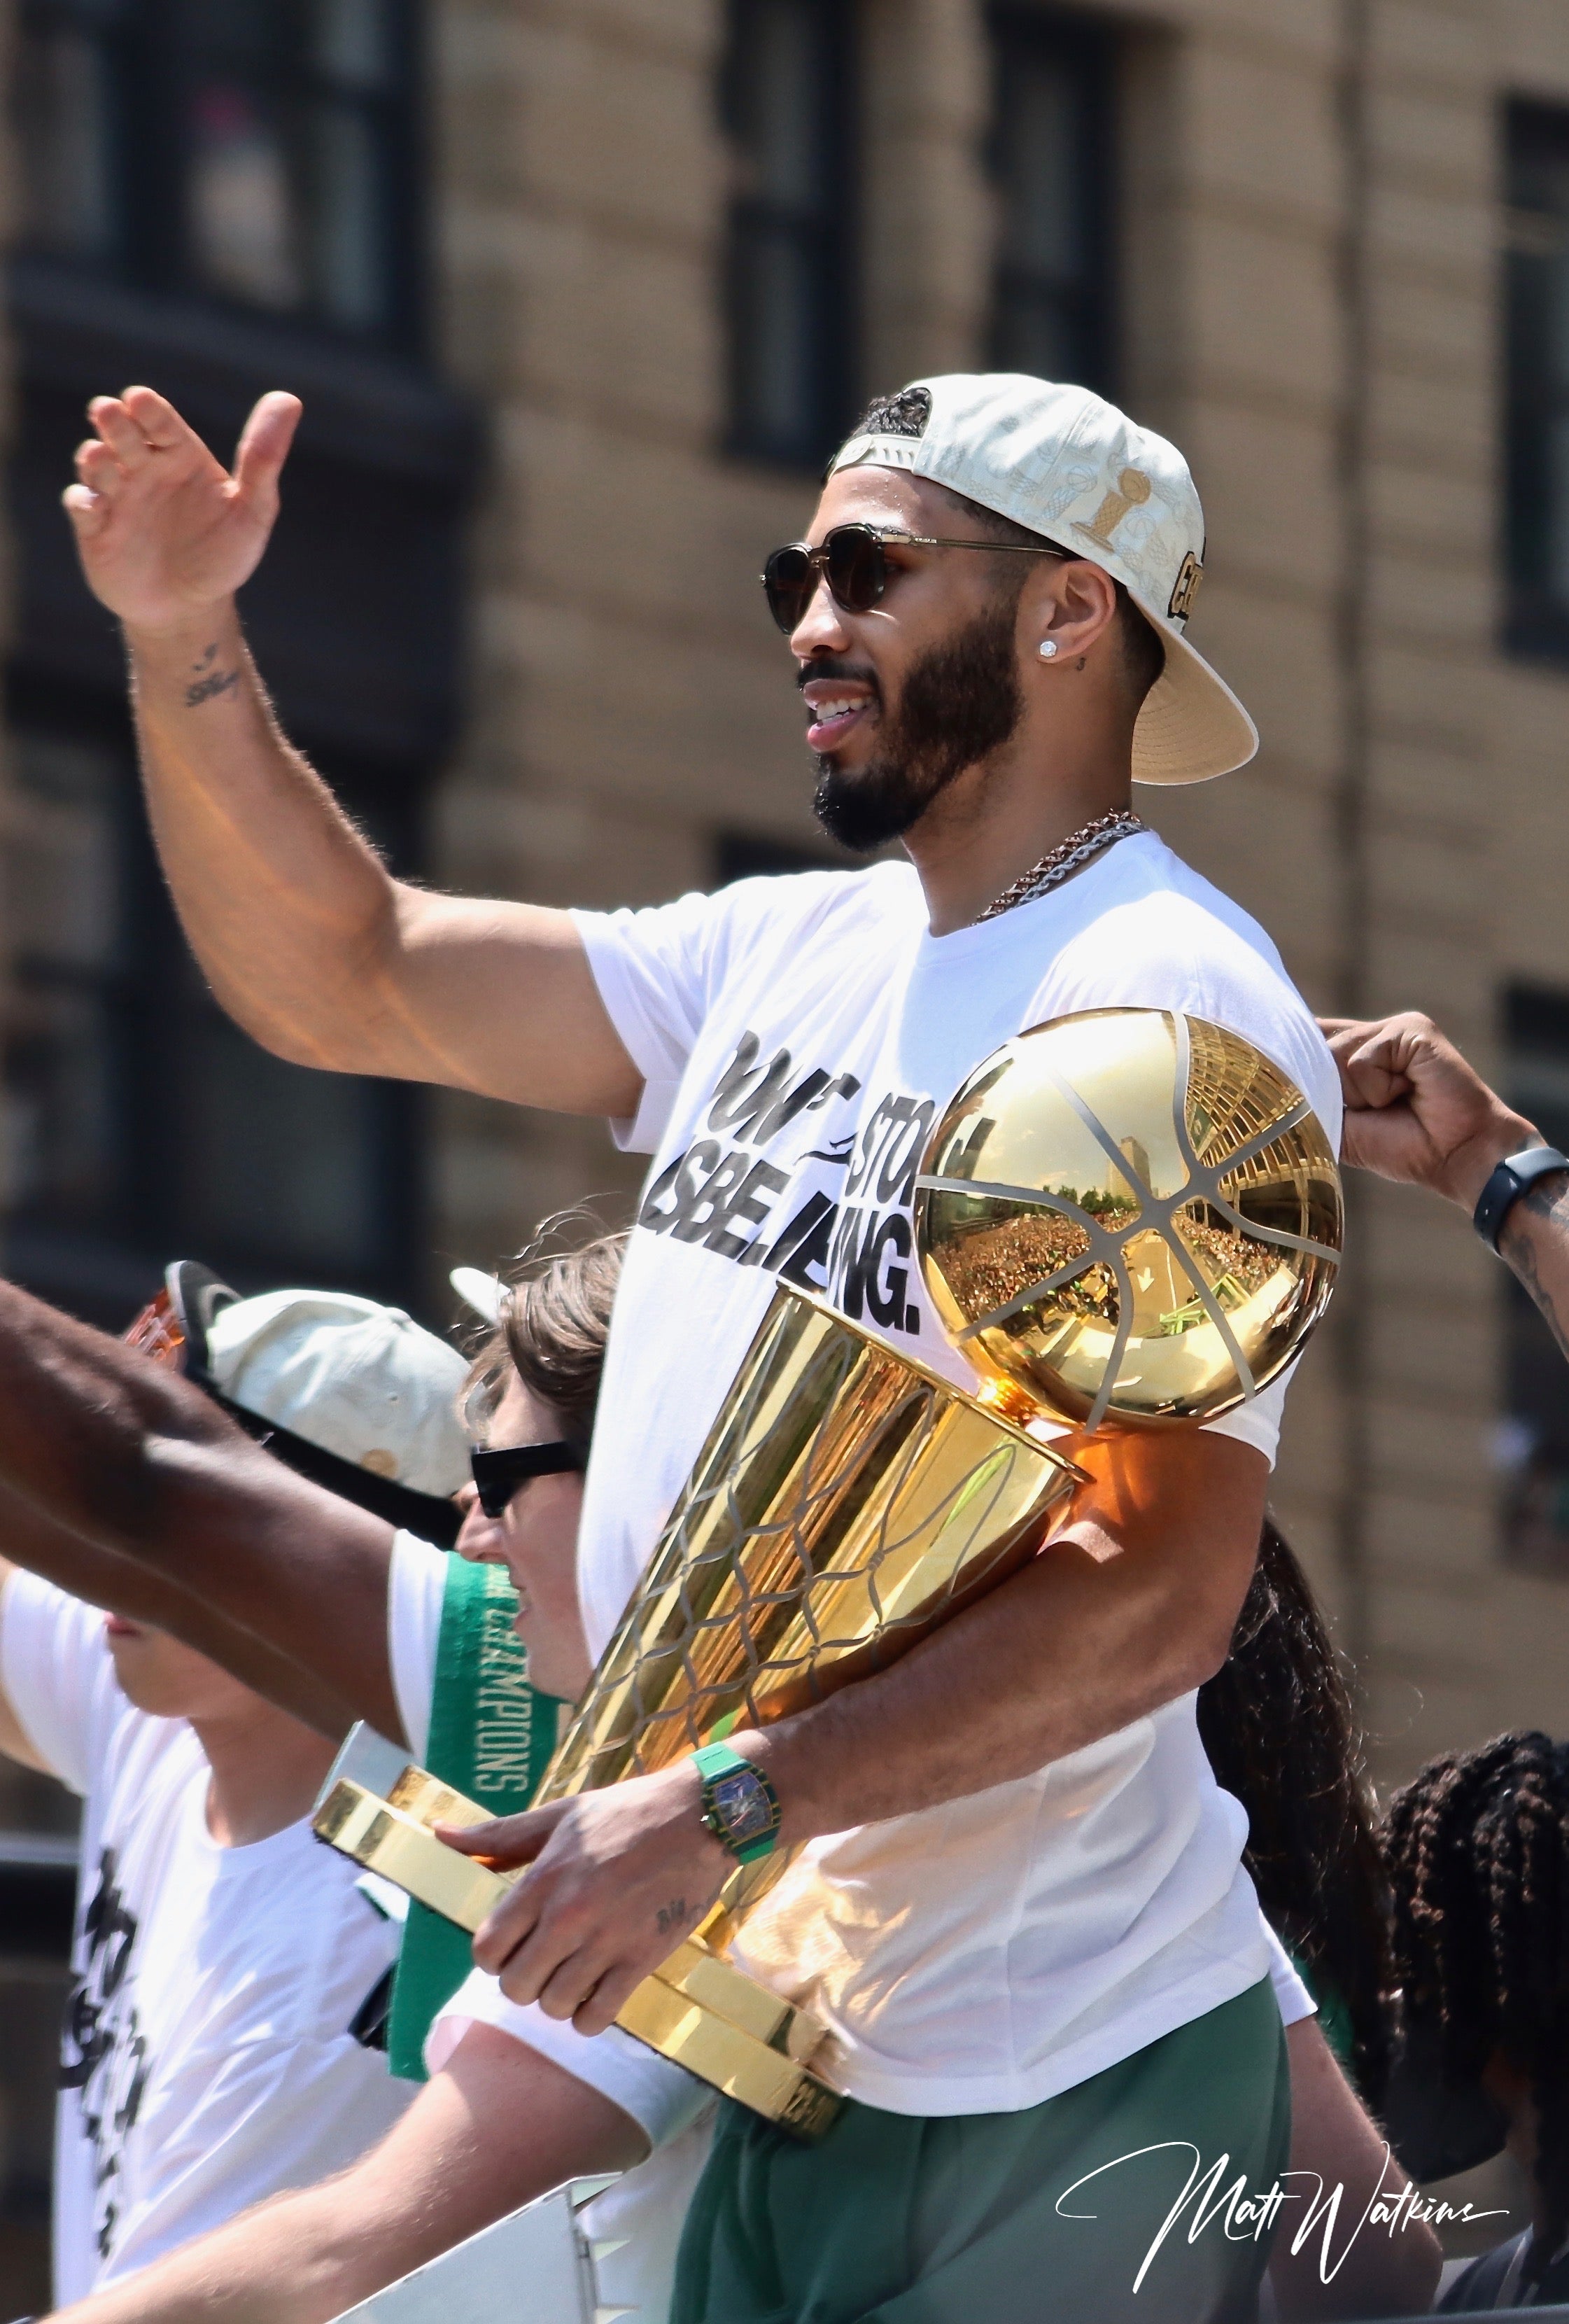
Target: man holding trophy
(1014,1909)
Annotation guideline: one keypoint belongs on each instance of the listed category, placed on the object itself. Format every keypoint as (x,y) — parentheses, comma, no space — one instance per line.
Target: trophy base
(697,2009)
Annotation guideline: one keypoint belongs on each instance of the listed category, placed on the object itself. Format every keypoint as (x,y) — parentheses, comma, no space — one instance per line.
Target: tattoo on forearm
(670,1916)
(209,680)
(1547,1202)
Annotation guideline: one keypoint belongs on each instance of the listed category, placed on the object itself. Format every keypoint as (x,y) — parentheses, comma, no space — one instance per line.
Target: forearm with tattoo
(1535,1242)
(208,680)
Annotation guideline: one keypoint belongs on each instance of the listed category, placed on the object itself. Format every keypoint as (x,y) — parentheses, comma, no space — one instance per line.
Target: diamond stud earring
(1048,649)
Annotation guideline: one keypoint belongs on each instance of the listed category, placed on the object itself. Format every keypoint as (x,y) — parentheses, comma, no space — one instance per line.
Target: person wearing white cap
(1024,1920)
(228,1971)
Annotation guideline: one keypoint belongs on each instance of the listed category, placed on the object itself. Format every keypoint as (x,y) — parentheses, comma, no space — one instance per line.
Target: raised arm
(1417,1112)
(305,938)
(125,1485)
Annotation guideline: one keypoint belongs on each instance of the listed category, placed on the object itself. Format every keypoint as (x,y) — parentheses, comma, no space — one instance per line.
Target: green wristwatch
(739,1805)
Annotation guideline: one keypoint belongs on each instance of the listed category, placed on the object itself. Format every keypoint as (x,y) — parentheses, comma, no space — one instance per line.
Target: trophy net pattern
(842,1505)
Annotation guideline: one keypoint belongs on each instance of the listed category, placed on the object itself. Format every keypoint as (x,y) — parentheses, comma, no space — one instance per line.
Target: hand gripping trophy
(1127,1218)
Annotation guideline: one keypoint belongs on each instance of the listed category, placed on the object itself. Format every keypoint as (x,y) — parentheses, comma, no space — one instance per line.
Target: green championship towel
(492,1734)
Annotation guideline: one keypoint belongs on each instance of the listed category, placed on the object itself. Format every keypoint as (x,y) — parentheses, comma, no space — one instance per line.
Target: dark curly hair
(1478,1854)
(1277,1724)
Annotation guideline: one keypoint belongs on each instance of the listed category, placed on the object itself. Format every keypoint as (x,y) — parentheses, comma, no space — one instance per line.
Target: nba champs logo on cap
(1069,466)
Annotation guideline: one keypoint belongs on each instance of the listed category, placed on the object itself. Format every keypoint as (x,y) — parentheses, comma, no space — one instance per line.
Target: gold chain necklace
(1089,840)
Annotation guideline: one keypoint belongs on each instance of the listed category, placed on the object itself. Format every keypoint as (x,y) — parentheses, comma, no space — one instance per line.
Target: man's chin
(864,807)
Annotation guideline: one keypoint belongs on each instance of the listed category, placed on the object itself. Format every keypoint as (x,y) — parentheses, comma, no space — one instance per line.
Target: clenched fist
(165,532)
(1416,1112)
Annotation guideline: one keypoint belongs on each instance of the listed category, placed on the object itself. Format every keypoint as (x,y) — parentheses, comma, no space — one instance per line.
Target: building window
(1533,1445)
(141,1124)
(255,151)
(789,111)
(1537,309)
(1051,165)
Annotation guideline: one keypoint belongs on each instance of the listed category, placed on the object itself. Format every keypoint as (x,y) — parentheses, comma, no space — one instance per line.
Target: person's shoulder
(59,1674)
(1158,934)
(790,904)
(1164,895)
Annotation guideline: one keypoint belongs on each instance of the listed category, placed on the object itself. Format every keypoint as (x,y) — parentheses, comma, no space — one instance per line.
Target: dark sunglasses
(498,1475)
(851,561)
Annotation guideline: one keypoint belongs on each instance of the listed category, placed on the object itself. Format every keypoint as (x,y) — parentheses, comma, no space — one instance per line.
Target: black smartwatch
(1508,1183)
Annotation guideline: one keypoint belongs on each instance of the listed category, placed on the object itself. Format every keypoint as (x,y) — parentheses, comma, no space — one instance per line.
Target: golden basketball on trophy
(1127,1218)
(1128,1215)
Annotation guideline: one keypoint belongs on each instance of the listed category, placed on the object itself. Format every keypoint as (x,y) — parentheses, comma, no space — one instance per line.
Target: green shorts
(966,2219)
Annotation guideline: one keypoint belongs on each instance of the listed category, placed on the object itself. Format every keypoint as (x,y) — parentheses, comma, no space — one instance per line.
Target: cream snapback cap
(1066,463)
(364,1382)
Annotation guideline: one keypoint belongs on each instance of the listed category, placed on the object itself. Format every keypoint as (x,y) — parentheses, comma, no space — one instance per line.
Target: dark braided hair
(1478,1854)
(1277,1724)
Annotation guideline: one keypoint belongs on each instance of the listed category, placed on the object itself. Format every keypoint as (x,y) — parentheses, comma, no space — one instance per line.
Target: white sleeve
(1294,1999)
(653,970)
(58,1677)
(1258,1422)
(416,1594)
(661,2097)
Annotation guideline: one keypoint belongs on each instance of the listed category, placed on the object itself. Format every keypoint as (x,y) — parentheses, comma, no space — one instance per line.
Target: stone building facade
(670,247)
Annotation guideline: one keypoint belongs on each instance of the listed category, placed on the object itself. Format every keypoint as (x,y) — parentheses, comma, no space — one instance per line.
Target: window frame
(103,1259)
(1090,45)
(1535,625)
(833,233)
(152,66)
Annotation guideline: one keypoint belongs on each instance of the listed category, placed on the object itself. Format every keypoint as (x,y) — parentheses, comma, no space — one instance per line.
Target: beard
(959,703)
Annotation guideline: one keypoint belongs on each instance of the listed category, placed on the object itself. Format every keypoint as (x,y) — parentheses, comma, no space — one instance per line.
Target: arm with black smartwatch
(1416,1112)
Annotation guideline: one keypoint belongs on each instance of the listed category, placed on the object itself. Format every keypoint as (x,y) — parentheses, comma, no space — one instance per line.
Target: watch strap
(714,1762)
(1508,1183)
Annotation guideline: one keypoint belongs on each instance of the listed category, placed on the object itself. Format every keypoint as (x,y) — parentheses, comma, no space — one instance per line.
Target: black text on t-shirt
(757,1208)
(103,2053)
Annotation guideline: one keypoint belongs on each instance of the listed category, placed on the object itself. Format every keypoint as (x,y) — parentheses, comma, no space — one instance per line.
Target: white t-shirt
(798,1038)
(207,2060)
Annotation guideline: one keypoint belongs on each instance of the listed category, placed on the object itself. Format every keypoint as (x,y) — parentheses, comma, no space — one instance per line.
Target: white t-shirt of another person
(798,1038)
(207,2060)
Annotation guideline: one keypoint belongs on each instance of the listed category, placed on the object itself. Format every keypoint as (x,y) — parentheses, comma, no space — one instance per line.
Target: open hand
(163,530)
(618,1878)
(1415,1110)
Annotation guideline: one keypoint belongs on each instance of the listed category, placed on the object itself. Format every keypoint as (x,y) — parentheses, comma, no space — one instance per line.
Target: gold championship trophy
(1126,1216)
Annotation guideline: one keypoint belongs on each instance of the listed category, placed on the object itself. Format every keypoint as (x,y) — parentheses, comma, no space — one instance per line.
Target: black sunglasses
(498,1474)
(851,561)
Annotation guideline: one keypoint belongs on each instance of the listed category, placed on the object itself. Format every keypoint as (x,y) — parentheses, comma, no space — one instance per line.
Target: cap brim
(481,1292)
(1192,727)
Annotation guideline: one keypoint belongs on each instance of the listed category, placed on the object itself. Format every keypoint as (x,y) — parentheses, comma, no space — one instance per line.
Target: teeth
(833,709)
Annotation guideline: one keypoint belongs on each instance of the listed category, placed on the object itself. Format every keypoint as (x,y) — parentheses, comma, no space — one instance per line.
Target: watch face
(741,1806)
